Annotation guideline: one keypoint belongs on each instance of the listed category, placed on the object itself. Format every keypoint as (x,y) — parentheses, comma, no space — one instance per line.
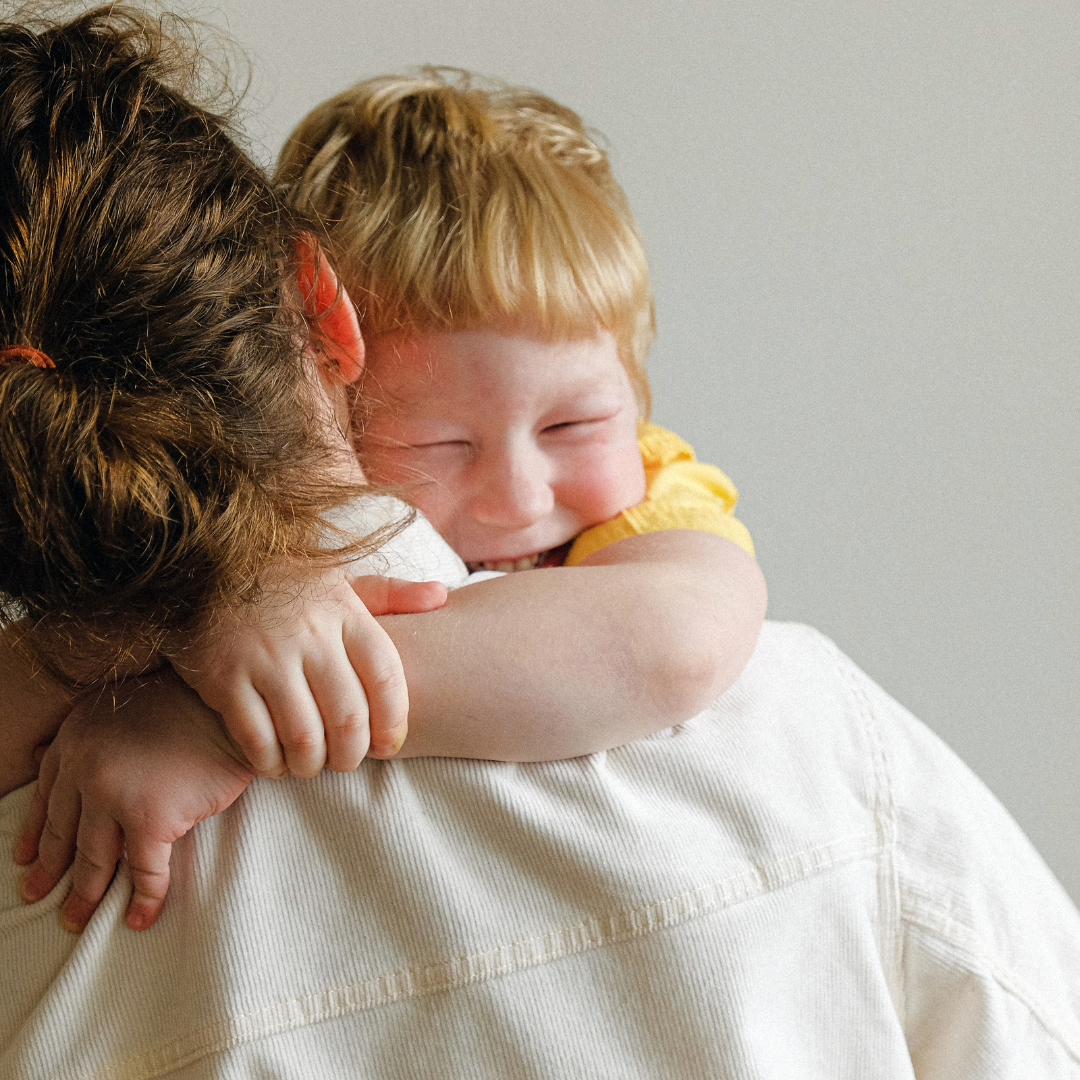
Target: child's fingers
(248,721)
(298,724)
(56,845)
(378,666)
(99,849)
(395,596)
(26,847)
(148,861)
(343,706)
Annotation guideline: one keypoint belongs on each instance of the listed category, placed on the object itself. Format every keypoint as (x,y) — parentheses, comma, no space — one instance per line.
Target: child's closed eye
(440,450)
(408,447)
(583,428)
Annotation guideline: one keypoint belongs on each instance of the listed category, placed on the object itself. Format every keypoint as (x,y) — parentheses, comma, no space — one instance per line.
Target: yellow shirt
(680,493)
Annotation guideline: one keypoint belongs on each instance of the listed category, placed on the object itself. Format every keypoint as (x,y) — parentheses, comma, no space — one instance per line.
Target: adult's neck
(32,706)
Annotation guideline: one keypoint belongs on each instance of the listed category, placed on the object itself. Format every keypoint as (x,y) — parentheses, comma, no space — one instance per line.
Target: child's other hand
(306,677)
(396,596)
(130,771)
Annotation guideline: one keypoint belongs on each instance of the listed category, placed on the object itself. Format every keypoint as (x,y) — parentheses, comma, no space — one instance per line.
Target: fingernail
(69,925)
(139,917)
(389,748)
(33,886)
(75,913)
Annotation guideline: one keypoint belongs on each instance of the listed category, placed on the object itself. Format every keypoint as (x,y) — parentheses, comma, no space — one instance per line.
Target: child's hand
(306,676)
(130,771)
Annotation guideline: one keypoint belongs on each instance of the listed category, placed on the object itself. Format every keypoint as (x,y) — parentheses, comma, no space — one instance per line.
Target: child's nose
(514,492)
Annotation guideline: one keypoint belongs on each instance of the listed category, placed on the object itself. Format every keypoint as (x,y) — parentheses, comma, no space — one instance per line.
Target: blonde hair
(454,206)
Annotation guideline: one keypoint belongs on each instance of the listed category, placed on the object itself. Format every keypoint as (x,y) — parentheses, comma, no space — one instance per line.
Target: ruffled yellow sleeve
(680,493)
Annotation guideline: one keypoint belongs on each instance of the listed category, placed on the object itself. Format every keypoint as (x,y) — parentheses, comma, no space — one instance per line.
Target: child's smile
(552,557)
(510,444)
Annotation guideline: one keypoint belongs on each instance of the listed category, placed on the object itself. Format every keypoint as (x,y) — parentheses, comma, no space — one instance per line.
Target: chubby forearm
(549,664)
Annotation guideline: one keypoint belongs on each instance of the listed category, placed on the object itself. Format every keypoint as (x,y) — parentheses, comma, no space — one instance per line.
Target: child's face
(510,444)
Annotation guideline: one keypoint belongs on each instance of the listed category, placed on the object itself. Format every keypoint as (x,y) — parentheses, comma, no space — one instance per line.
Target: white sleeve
(417,552)
(484,575)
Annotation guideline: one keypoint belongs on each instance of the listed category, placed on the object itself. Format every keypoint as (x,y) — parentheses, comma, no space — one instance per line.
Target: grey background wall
(864,230)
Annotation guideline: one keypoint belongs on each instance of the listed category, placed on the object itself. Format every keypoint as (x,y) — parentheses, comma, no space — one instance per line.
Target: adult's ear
(330,313)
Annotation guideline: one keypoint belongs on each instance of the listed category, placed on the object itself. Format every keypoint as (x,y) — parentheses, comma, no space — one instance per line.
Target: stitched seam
(885,816)
(962,938)
(469,968)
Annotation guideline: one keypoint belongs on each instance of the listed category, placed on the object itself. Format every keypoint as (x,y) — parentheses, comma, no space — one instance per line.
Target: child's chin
(555,556)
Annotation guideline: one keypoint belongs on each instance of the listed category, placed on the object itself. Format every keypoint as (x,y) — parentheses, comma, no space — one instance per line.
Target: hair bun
(176,448)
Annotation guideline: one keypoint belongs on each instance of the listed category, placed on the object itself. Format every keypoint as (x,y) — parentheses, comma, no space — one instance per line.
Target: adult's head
(152,451)
(455,206)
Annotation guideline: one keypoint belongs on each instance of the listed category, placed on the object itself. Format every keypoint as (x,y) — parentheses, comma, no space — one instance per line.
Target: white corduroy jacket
(801,883)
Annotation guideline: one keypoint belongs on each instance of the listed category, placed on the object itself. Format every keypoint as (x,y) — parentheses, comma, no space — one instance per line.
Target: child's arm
(534,666)
(547,664)
(306,677)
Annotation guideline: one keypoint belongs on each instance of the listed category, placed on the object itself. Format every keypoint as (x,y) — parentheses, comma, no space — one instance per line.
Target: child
(489,247)
(560,460)
(505,304)
(487,244)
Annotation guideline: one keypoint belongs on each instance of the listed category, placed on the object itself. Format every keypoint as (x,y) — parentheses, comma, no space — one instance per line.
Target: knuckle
(353,726)
(150,882)
(348,744)
(52,836)
(80,892)
(304,741)
(262,754)
(387,680)
(257,747)
(142,813)
(86,862)
(53,863)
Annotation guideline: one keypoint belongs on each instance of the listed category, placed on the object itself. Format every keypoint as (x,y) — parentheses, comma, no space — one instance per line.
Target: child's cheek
(606,484)
(427,486)
(436,503)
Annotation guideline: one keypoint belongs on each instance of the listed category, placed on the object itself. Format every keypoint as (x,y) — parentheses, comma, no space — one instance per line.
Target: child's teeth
(526,562)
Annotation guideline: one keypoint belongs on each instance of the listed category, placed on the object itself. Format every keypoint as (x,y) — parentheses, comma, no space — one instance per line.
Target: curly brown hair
(173,449)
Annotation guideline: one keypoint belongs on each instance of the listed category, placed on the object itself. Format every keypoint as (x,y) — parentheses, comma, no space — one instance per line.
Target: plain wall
(861,219)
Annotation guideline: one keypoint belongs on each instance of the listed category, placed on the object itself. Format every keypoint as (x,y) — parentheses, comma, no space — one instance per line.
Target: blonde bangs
(449,207)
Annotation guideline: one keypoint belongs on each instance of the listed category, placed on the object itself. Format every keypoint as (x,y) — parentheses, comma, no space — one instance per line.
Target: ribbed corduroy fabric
(801,882)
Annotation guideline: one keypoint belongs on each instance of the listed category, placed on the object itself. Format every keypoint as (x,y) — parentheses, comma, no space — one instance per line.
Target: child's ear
(330,313)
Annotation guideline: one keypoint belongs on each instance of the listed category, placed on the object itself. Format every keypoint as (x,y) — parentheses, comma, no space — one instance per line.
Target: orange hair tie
(24,354)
